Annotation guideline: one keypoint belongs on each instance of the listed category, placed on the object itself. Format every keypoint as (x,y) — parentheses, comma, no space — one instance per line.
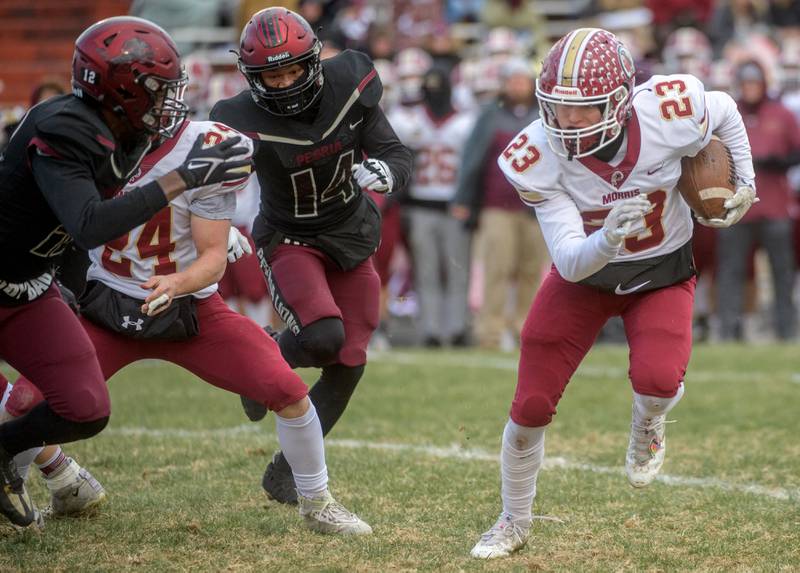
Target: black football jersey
(304,169)
(60,162)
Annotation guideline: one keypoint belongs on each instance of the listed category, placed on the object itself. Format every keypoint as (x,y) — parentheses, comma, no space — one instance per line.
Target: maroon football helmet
(275,38)
(131,67)
(587,67)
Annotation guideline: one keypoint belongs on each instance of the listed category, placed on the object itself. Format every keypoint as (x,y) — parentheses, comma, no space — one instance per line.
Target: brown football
(707,179)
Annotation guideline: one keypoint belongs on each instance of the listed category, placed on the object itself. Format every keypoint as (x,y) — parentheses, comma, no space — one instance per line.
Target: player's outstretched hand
(238,245)
(737,205)
(624,217)
(224,161)
(374,174)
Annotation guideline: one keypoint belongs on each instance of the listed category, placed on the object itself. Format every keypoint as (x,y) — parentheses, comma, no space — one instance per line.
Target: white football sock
(649,406)
(25,459)
(65,475)
(301,442)
(521,458)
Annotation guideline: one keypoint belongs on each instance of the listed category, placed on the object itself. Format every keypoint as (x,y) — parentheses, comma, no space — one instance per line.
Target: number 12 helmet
(587,67)
(275,38)
(131,67)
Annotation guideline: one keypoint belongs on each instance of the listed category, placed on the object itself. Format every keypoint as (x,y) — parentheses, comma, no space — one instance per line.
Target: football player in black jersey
(64,163)
(320,139)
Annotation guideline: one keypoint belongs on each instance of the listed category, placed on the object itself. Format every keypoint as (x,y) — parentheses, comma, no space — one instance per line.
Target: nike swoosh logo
(651,171)
(620,290)
(353,125)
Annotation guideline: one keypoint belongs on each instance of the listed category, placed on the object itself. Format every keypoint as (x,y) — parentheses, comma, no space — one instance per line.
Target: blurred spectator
(688,51)
(440,244)
(516,14)
(463,10)
(410,65)
(775,141)
(671,14)
(736,20)
(784,13)
(512,250)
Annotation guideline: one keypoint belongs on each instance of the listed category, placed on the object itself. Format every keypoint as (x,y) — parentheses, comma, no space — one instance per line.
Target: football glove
(221,162)
(374,174)
(624,217)
(238,245)
(737,205)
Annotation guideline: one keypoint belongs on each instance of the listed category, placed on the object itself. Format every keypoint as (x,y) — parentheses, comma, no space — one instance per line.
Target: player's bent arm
(727,124)
(72,194)
(211,241)
(575,255)
(379,141)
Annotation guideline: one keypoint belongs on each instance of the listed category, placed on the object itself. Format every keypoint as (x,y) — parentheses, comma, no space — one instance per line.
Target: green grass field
(415,455)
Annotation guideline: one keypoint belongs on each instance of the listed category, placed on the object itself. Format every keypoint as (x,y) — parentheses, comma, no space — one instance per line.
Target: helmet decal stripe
(573,47)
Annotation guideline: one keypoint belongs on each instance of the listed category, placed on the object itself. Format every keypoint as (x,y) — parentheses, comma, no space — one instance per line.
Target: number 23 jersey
(671,118)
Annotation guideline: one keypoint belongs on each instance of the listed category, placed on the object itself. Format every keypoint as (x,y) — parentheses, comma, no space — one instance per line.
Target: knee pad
(318,344)
(533,410)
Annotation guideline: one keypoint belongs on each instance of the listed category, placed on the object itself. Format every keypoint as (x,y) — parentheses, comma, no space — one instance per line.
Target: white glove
(624,218)
(374,174)
(238,245)
(737,205)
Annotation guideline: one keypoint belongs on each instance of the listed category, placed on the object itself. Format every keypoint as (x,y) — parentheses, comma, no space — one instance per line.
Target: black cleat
(278,481)
(255,411)
(15,503)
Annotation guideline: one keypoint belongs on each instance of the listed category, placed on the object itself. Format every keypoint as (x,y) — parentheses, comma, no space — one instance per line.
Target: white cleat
(326,515)
(646,449)
(79,497)
(504,538)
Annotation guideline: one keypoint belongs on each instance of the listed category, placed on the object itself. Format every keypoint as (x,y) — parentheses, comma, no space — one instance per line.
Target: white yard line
(456,452)
(444,359)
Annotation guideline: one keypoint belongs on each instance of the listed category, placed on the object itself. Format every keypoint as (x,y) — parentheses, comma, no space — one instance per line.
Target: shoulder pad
(73,129)
(530,165)
(233,111)
(351,70)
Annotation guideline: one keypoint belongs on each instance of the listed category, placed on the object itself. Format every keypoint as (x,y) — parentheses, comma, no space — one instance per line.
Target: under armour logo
(128,322)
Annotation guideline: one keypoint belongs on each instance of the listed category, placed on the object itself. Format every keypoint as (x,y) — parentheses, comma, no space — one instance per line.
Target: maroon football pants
(231,352)
(306,286)
(44,341)
(563,323)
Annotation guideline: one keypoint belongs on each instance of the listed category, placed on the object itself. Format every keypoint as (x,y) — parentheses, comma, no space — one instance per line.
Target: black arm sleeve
(380,141)
(72,195)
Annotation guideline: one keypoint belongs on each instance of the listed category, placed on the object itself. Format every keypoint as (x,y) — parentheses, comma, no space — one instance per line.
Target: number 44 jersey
(672,117)
(164,244)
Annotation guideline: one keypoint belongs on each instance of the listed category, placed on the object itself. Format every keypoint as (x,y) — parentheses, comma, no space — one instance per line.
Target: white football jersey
(164,244)
(672,117)
(247,201)
(437,145)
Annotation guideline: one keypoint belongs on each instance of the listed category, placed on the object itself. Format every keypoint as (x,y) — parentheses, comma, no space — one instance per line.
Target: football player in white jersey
(152,294)
(436,133)
(600,168)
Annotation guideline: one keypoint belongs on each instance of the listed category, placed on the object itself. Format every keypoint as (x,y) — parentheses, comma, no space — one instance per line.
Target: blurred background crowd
(461,257)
